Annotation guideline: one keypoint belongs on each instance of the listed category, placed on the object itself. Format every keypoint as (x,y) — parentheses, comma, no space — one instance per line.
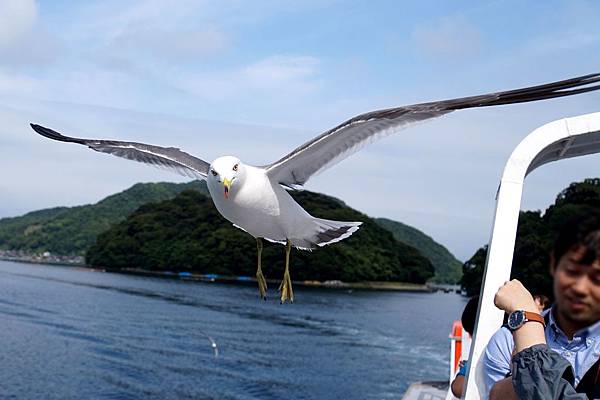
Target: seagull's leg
(286,284)
(260,278)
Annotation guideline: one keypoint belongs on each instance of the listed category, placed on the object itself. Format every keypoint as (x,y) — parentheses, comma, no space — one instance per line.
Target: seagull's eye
(235,167)
(212,171)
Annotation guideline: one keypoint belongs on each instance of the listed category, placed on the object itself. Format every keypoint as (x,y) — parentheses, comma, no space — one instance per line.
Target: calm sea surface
(67,333)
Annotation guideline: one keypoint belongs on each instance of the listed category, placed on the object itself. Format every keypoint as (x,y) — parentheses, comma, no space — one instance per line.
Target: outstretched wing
(294,169)
(162,157)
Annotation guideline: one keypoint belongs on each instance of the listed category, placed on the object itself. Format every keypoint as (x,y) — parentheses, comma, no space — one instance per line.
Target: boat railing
(565,138)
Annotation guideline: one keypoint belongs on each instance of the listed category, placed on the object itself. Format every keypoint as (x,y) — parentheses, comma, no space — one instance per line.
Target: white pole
(566,138)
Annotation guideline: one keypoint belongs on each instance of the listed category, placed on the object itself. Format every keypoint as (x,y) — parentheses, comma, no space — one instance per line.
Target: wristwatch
(517,319)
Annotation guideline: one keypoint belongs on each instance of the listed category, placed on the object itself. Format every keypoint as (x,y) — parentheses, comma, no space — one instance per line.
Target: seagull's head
(224,171)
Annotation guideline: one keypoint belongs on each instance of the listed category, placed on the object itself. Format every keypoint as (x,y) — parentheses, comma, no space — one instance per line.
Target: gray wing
(163,157)
(294,169)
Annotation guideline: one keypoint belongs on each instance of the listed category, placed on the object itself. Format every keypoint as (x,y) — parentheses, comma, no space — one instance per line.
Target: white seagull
(255,198)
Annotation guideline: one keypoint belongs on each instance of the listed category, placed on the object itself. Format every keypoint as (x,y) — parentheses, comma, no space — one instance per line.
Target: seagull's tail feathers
(327,232)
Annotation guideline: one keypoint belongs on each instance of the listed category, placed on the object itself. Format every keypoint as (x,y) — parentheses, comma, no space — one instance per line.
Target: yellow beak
(226,187)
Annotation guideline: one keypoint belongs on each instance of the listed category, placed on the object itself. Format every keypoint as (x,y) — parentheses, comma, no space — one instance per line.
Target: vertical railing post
(566,138)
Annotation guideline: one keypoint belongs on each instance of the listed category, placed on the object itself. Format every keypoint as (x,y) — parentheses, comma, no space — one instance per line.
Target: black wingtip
(567,87)
(38,128)
(51,134)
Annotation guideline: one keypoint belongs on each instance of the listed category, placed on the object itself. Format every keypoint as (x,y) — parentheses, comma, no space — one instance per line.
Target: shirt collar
(590,331)
(594,330)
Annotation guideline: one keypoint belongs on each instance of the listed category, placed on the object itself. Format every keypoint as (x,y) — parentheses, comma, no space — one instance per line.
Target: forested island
(72,230)
(175,227)
(188,234)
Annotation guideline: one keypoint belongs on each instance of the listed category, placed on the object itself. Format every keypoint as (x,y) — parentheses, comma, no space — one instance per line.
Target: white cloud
(170,46)
(277,75)
(278,70)
(108,22)
(134,35)
(127,52)
(23,41)
(37,48)
(17,17)
(561,42)
(91,86)
(17,84)
(451,36)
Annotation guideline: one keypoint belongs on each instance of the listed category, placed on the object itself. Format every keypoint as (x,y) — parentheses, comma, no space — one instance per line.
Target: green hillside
(72,230)
(447,268)
(188,234)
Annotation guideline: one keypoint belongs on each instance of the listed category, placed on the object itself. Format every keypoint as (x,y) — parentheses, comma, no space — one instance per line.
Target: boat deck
(426,391)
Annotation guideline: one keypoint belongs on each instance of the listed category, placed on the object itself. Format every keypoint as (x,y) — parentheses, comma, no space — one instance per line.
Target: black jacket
(542,374)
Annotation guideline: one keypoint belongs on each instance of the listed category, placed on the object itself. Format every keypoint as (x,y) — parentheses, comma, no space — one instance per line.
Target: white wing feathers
(294,169)
(162,157)
(332,147)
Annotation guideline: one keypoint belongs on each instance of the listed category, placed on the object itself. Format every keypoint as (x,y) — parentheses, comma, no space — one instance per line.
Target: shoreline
(189,276)
(331,284)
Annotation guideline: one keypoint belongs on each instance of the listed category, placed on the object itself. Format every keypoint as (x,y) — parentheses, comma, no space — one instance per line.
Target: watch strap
(531,316)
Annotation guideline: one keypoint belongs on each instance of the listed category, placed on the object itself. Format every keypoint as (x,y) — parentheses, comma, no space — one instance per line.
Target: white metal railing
(565,138)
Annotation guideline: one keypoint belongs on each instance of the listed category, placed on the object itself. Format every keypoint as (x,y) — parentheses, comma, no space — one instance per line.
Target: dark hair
(469,314)
(582,230)
(543,299)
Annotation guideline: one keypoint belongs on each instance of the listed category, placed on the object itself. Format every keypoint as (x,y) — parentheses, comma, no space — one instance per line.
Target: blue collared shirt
(581,352)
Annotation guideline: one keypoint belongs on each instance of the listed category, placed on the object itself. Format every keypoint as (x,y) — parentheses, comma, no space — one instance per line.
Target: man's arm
(539,373)
(497,357)
(458,386)
(503,390)
(510,297)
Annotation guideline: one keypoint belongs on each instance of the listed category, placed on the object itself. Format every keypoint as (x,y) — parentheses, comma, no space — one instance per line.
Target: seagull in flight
(256,199)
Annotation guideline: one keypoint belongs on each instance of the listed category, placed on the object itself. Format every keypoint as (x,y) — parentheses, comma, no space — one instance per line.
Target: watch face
(516,319)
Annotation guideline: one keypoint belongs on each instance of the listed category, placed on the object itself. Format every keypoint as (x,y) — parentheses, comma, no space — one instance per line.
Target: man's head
(575,267)
(470,314)
(541,301)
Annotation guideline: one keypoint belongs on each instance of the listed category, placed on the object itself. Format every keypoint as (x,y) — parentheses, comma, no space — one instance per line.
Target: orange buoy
(457,338)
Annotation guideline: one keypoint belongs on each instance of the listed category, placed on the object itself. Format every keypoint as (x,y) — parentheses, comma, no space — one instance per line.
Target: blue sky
(256,79)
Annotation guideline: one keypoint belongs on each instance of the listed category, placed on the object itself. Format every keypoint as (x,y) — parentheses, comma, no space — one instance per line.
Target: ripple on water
(74,334)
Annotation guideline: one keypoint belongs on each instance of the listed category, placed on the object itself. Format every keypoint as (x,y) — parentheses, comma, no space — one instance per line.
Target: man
(572,326)
(467,320)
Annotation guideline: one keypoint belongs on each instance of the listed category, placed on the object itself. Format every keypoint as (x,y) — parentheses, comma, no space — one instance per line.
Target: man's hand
(513,296)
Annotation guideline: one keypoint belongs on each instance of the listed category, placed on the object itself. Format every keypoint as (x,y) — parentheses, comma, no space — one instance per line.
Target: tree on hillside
(535,237)
(188,234)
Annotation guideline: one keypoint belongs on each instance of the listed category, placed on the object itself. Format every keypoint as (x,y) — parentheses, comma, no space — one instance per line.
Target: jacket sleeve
(542,374)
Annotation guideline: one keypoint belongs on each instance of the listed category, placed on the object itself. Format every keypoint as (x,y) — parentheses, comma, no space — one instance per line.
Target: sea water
(68,333)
